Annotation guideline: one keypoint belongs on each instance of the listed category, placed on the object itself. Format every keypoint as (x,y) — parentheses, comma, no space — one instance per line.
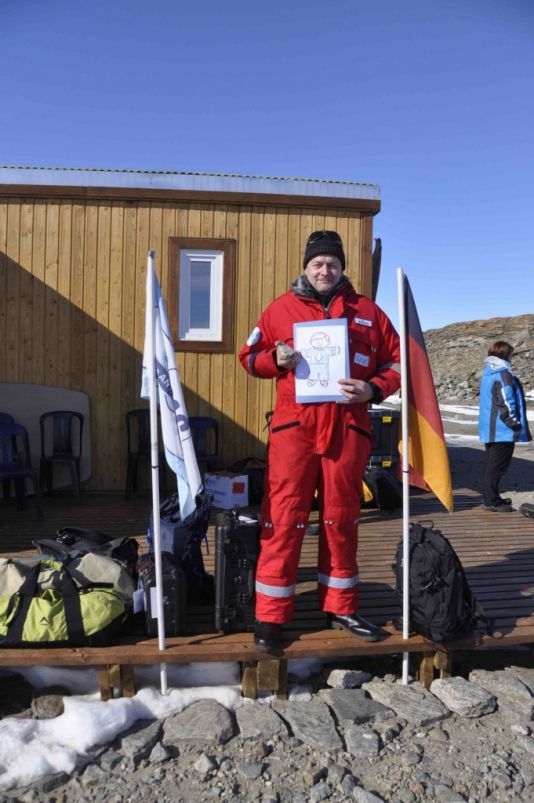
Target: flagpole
(151,368)
(405,472)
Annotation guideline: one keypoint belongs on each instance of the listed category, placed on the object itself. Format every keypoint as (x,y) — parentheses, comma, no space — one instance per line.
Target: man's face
(323,273)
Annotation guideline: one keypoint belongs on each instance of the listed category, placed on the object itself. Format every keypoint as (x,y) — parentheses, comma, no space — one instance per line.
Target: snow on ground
(31,748)
(454,439)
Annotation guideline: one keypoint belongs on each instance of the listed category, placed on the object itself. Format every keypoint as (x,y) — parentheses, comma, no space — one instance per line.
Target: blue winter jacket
(503,415)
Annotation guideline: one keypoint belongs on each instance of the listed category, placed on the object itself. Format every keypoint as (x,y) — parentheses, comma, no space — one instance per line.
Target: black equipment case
(236,555)
(174,594)
(385,435)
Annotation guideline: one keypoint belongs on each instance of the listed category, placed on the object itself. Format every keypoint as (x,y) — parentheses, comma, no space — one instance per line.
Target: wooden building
(73,253)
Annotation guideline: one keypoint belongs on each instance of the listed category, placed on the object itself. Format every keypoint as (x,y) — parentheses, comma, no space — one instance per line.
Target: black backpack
(442,606)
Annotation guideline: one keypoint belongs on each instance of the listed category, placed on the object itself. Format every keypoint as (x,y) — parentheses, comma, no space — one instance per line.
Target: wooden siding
(72,303)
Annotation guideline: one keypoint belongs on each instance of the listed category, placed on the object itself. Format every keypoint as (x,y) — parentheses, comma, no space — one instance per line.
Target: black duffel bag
(74,541)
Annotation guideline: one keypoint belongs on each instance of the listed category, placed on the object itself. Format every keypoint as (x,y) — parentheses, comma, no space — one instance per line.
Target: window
(201,286)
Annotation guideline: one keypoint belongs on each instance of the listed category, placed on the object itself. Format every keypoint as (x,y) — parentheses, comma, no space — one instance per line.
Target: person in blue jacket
(502,421)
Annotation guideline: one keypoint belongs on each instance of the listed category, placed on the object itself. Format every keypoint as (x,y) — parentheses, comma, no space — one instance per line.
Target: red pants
(298,464)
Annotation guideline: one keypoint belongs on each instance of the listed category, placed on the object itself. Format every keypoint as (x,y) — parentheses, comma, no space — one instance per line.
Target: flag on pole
(177,439)
(427,452)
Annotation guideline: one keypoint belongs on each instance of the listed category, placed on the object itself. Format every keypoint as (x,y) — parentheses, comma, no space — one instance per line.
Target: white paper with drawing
(324,359)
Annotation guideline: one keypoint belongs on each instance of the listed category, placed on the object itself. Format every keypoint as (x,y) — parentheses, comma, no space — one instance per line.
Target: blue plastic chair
(15,463)
(205,434)
(66,446)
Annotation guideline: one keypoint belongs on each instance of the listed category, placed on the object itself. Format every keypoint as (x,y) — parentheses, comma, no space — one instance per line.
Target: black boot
(357,626)
(267,635)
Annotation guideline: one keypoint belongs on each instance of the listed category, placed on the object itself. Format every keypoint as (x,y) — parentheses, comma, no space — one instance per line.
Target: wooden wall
(72,303)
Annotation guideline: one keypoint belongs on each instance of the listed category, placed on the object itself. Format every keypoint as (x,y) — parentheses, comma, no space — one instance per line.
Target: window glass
(200,294)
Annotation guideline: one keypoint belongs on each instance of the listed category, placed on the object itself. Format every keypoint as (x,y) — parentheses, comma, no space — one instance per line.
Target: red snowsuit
(323,446)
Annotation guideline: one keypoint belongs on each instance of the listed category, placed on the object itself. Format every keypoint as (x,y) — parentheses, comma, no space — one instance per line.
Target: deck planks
(496,551)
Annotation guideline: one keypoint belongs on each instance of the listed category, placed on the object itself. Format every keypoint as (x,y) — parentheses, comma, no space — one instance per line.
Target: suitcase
(174,594)
(237,541)
(385,437)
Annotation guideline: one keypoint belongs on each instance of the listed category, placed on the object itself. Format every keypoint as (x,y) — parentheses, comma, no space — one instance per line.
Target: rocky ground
(361,736)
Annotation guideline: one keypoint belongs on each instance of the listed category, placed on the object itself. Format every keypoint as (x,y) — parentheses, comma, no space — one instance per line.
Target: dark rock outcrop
(457,353)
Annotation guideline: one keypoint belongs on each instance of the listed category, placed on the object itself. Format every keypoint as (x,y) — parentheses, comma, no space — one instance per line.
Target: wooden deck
(497,552)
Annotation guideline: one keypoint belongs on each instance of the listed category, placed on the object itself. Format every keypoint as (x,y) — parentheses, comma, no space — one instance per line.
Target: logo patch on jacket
(363,322)
(361,359)
(253,337)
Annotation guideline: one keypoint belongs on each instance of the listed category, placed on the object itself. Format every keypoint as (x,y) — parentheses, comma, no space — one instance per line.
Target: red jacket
(370,332)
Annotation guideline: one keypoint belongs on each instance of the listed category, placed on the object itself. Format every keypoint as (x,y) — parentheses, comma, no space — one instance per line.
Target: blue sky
(430,99)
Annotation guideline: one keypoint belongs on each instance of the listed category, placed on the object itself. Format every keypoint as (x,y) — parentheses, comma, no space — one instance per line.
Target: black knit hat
(324,242)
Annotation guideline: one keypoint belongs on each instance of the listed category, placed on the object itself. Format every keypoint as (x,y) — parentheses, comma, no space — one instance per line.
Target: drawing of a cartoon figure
(318,357)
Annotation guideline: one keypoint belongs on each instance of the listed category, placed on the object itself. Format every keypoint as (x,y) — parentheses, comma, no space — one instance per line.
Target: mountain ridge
(457,352)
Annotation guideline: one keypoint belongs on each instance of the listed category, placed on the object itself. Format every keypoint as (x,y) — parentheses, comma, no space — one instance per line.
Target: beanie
(324,242)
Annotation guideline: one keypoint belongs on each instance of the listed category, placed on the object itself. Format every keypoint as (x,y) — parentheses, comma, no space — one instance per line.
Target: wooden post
(425,671)
(116,677)
(443,662)
(249,686)
(268,675)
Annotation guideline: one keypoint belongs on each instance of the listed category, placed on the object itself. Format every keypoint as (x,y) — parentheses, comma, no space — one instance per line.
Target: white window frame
(188,256)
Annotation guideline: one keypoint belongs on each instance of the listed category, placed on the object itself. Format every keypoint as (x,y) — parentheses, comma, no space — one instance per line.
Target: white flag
(177,440)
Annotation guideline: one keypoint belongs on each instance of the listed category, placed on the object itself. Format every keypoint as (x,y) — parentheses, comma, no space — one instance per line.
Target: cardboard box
(227,489)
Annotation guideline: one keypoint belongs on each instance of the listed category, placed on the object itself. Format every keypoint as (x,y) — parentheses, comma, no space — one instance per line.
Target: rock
(362,796)
(320,792)
(522,730)
(348,784)
(444,794)
(515,701)
(311,722)
(413,703)
(109,760)
(354,706)
(336,774)
(94,775)
(139,742)
(47,706)
(258,721)
(205,764)
(524,674)
(410,758)
(464,698)
(362,742)
(205,721)
(347,678)
(159,754)
(250,769)
(525,743)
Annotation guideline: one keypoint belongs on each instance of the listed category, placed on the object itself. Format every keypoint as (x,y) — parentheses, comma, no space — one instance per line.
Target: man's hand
(357,391)
(286,358)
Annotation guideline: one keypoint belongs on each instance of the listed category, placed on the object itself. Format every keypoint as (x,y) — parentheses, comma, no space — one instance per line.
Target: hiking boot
(267,635)
(357,626)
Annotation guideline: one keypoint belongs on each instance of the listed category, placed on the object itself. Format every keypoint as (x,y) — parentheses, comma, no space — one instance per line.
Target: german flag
(427,452)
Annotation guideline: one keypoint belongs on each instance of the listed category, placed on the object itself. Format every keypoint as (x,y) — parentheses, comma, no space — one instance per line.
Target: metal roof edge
(187,180)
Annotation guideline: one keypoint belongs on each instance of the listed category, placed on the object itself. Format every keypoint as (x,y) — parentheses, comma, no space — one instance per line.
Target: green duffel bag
(52,609)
